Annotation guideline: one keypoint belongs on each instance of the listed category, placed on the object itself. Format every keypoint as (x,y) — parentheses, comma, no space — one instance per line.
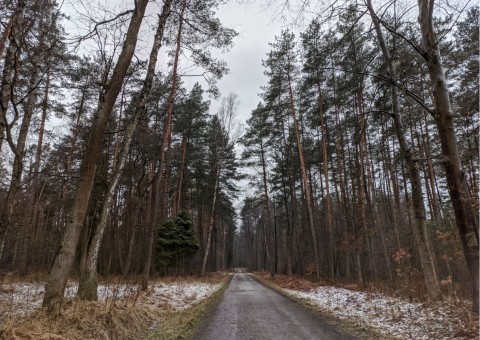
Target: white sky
(256,29)
(253,20)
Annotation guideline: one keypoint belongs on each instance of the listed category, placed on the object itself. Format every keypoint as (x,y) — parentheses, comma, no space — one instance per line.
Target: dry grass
(133,316)
(78,319)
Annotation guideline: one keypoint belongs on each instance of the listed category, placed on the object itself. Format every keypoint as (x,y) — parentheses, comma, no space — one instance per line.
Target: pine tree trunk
(437,215)
(156,208)
(131,243)
(177,204)
(41,132)
(465,214)
(289,237)
(63,263)
(292,227)
(210,223)
(266,198)
(331,242)
(306,186)
(379,223)
(420,230)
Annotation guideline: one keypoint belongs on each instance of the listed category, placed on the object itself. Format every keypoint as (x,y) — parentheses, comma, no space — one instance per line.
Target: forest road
(250,310)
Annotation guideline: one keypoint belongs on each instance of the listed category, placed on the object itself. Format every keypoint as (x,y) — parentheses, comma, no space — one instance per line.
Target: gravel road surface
(250,310)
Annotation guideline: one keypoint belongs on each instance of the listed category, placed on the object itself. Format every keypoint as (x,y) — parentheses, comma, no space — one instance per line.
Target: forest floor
(385,314)
(122,312)
(174,307)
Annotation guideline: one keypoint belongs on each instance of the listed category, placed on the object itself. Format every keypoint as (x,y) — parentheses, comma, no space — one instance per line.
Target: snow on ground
(391,316)
(179,296)
(20,299)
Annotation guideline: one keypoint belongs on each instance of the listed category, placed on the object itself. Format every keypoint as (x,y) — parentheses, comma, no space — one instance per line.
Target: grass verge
(186,323)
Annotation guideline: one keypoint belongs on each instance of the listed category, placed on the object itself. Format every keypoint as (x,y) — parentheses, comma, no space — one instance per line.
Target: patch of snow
(388,315)
(179,296)
(20,299)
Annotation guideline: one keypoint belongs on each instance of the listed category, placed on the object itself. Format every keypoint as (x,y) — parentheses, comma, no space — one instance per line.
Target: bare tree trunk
(266,198)
(288,241)
(378,221)
(7,82)
(6,86)
(465,214)
(19,10)
(210,223)
(308,198)
(131,243)
(177,204)
(420,230)
(13,30)
(63,263)
(87,289)
(331,242)
(156,208)
(292,227)
(436,213)
(18,148)
(38,152)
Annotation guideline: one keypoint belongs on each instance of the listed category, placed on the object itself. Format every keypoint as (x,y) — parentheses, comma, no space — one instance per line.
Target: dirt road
(249,310)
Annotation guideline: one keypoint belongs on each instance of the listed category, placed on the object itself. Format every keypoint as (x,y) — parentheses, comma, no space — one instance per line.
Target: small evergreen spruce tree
(175,241)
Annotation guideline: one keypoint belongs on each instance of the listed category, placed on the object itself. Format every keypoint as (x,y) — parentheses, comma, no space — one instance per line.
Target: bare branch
(94,31)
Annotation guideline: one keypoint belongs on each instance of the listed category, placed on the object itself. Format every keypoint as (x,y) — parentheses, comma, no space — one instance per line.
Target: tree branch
(103,22)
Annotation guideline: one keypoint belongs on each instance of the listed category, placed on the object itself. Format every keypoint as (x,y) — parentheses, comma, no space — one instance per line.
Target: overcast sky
(256,29)
(255,22)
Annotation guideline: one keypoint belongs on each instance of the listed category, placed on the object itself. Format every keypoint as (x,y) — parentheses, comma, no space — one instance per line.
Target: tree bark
(266,198)
(87,289)
(177,202)
(465,214)
(156,208)
(331,242)
(38,152)
(63,263)
(18,149)
(19,10)
(211,220)
(12,32)
(420,230)
(308,197)
(11,56)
